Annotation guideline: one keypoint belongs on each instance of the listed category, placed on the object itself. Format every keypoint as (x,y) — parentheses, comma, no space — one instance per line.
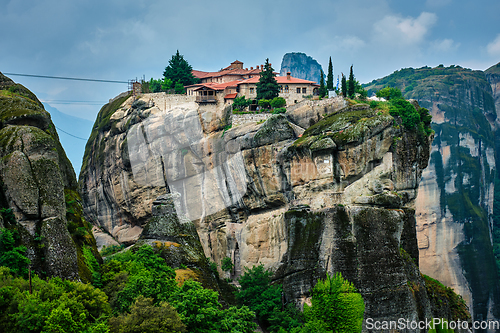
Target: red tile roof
(281,80)
(231,96)
(215,85)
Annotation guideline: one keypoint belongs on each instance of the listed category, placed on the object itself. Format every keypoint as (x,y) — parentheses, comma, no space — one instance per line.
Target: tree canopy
(329,77)
(267,87)
(179,71)
(322,88)
(344,86)
(351,86)
(336,305)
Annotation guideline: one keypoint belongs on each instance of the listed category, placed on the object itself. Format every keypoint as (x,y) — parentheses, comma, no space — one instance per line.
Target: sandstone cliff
(454,207)
(301,66)
(337,196)
(39,186)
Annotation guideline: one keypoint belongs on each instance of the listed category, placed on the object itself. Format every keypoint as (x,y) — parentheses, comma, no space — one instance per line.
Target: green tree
(198,307)
(264,103)
(351,85)
(241,103)
(179,88)
(267,87)
(227,264)
(179,71)
(389,93)
(145,317)
(406,111)
(344,86)
(322,88)
(336,302)
(329,77)
(166,84)
(257,293)
(11,256)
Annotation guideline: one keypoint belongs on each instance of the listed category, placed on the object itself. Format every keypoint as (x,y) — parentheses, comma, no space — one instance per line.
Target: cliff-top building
(233,81)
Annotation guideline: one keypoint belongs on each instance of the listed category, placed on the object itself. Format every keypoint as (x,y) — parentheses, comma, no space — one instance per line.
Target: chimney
(251,68)
(288,75)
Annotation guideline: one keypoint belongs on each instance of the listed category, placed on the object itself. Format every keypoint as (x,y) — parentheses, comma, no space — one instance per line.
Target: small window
(281,89)
(286,88)
(304,90)
(298,90)
(251,90)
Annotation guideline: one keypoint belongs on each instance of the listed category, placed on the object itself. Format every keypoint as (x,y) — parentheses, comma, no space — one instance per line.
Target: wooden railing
(206,99)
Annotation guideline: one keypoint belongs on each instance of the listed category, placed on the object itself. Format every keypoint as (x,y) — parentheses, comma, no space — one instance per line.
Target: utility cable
(70,134)
(66,78)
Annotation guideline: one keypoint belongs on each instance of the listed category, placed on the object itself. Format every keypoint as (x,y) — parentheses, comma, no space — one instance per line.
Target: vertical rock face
(454,208)
(301,66)
(337,197)
(37,182)
(493,77)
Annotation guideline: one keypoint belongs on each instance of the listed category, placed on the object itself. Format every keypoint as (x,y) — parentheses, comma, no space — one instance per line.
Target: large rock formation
(301,66)
(39,186)
(337,197)
(454,207)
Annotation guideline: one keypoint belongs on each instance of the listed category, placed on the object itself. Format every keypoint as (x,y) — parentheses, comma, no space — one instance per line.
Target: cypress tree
(329,77)
(322,88)
(267,87)
(351,85)
(344,86)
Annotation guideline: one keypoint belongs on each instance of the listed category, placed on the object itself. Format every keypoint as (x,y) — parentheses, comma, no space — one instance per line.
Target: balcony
(206,99)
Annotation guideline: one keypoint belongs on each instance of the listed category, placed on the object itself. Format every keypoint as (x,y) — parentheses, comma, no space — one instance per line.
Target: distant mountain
(456,223)
(73,134)
(301,66)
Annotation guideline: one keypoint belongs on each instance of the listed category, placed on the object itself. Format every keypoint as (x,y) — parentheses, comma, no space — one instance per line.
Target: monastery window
(281,89)
(286,88)
(304,90)
(251,90)
(298,90)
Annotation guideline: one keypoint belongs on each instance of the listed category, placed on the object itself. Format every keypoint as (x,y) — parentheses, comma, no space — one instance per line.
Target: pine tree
(344,86)
(329,77)
(322,88)
(351,90)
(179,70)
(267,87)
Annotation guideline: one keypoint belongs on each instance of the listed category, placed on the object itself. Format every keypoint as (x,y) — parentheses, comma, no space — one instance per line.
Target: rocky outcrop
(454,207)
(301,66)
(335,197)
(39,186)
(493,77)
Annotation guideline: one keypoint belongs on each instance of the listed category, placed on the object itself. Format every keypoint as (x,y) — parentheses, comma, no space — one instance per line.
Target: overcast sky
(124,39)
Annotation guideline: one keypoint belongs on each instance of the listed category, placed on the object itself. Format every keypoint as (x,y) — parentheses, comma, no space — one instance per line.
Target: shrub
(406,111)
(240,103)
(279,110)
(264,103)
(278,102)
(146,317)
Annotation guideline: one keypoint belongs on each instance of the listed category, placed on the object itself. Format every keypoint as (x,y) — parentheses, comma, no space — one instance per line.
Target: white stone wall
(240,119)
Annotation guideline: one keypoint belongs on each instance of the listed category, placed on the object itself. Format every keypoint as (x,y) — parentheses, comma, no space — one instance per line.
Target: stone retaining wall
(240,119)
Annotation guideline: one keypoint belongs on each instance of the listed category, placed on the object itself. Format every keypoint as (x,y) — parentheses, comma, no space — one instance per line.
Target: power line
(73,102)
(66,78)
(70,134)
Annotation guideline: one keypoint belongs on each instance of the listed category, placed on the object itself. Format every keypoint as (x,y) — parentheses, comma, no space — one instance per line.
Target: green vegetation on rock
(337,304)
